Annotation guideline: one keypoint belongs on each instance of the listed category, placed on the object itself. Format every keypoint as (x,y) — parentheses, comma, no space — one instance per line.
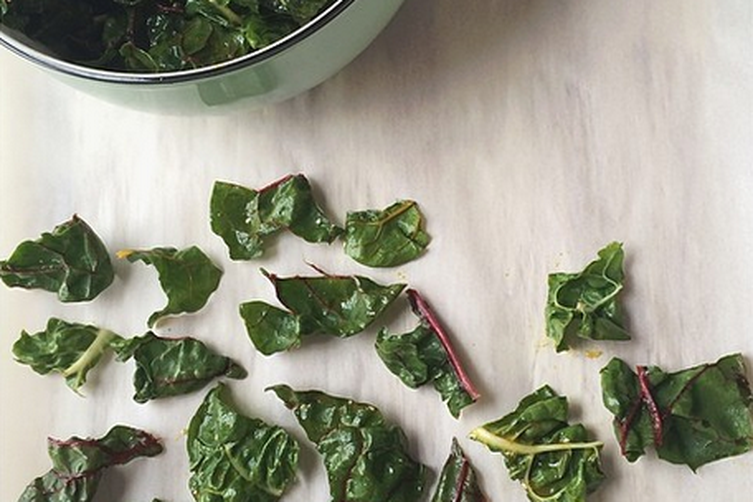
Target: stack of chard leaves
(78,464)
(365,456)
(165,367)
(235,458)
(246,218)
(386,238)
(555,461)
(71,261)
(693,417)
(156,35)
(188,277)
(586,304)
(426,355)
(458,481)
(336,305)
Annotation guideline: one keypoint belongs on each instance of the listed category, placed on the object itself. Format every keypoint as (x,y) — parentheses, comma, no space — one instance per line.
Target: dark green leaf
(70,349)
(334,304)
(553,460)
(234,458)
(188,277)
(458,481)
(386,238)
(300,10)
(365,456)
(426,355)
(271,329)
(586,304)
(78,464)
(173,366)
(244,218)
(694,416)
(71,261)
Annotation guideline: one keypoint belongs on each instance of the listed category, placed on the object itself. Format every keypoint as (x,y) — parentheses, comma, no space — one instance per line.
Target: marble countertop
(531,133)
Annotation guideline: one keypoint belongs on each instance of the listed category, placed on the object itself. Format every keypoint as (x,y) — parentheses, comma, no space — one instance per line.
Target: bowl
(281,70)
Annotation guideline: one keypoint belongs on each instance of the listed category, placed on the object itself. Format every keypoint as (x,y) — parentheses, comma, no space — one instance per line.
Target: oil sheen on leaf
(168,367)
(458,481)
(71,261)
(235,458)
(693,416)
(426,355)
(70,349)
(188,277)
(334,305)
(246,218)
(554,461)
(386,238)
(79,464)
(586,304)
(365,457)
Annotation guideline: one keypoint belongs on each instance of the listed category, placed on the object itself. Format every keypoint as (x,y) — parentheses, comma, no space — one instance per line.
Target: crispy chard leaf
(71,261)
(188,277)
(586,304)
(426,355)
(300,10)
(70,349)
(79,464)
(694,416)
(173,366)
(554,461)
(458,481)
(336,305)
(364,455)
(245,218)
(386,238)
(235,458)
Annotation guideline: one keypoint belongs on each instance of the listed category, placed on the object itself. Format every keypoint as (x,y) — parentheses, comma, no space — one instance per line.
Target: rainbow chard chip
(168,367)
(235,458)
(78,464)
(246,218)
(188,277)
(553,460)
(71,261)
(386,238)
(336,305)
(68,348)
(693,417)
(426,355)
(458,481)
(586,304)
(365,456)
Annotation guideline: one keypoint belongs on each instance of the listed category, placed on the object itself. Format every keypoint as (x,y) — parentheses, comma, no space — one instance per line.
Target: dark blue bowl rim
(121,77)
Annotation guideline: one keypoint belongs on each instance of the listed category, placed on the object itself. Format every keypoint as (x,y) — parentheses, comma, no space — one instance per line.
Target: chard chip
(586,304)
(692,417)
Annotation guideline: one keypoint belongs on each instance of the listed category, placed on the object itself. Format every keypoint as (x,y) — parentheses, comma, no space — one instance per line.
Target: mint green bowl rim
(156,78)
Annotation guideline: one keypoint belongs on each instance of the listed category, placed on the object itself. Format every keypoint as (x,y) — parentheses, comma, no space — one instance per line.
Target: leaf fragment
(365,456)
(553,460)
(167,367)
(245,218)
(426,355)
(70,349)
(71,261)
(692,416)
(236,458)
(586,304)
(386,238)
(188,277)
(458,481)
(79,464)
(335,305)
